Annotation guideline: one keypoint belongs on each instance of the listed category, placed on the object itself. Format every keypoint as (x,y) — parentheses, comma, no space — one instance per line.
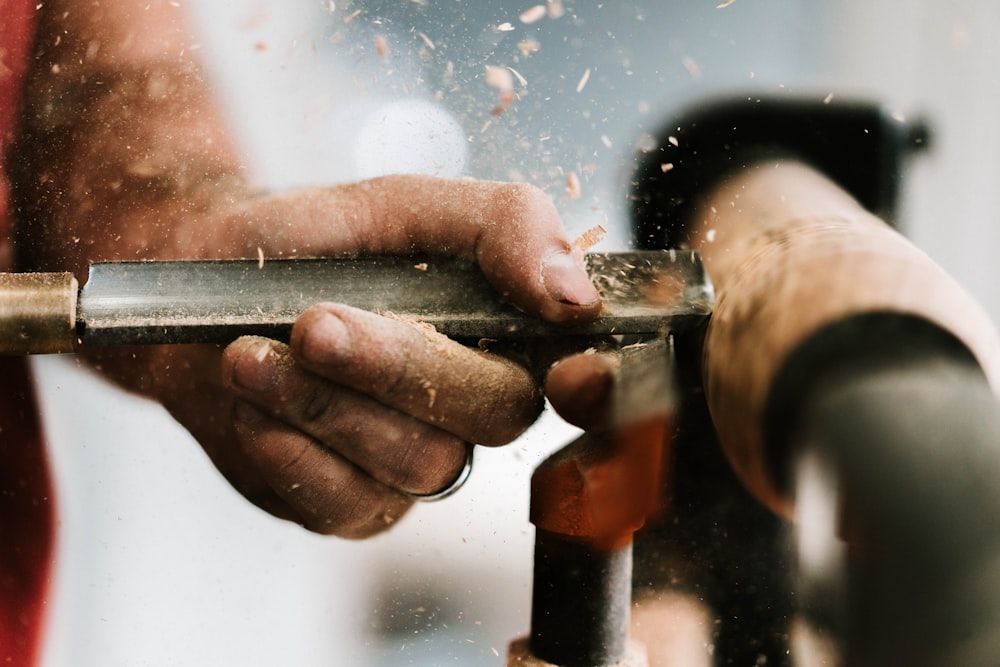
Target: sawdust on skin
(465,372)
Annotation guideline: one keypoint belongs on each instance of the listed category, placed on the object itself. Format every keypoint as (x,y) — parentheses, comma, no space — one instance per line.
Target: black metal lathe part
(580,601)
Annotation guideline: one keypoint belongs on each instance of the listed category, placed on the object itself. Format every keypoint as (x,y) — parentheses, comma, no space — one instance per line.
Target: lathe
(802,431)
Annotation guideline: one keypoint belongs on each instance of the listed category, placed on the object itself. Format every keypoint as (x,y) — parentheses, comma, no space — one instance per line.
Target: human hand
(579,387)
(123,155)
(360,412)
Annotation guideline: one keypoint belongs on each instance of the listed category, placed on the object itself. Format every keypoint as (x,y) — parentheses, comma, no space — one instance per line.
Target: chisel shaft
(133,303)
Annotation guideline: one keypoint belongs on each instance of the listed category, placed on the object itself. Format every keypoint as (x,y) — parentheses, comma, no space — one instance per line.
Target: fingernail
(253,369)
(325,340)
(566,281)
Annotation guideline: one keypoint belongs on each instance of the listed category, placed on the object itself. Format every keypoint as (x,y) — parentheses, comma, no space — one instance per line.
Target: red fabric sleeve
(27,520)
(15,43)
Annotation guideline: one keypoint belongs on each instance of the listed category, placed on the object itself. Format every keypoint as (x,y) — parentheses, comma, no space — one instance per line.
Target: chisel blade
(216,301)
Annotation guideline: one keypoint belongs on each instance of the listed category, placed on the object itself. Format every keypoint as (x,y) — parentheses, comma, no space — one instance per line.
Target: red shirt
(26,507)
(15,41)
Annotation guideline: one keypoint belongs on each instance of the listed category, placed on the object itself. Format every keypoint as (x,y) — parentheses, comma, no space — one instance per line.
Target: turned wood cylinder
(791,254)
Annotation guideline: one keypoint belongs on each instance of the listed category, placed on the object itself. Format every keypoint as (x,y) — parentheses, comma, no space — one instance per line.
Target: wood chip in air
(505,27)
(536,13)
(666,166)
(381,46)
(520,79)
(691,66)
(528,46)
(555,9)
(583,80)
(589,239)
(422,266)
(573,185)
(724,4)
(260,257)
(427,40)
(501,79)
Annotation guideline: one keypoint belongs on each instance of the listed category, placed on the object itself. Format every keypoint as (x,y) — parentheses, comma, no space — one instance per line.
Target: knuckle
(320,404)
(521,200)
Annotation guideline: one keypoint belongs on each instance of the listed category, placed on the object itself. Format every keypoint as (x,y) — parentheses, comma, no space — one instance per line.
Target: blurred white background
(162,564)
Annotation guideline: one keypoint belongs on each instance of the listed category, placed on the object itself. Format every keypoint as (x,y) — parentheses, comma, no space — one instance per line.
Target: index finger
(479,397)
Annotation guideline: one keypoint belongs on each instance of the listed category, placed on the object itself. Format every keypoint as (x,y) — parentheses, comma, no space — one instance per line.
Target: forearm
(122,152)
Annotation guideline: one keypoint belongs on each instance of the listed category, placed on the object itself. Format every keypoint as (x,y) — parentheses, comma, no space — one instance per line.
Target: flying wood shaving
(520,79)
(724,4)
(351,17)
(536,13)
(427,40)
(588,239)
(260,257)
(691,66)
(556,9)
(573,185)
(505,27)
(528,46)
(381,46)
(501,79)
(583,80)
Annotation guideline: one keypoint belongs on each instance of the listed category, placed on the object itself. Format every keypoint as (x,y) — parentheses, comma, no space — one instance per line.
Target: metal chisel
(216,301)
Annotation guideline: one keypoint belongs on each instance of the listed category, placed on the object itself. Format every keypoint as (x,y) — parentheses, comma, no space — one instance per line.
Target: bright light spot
(408,137)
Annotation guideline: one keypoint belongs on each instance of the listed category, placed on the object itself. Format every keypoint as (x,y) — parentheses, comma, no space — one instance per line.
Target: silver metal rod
(217,301)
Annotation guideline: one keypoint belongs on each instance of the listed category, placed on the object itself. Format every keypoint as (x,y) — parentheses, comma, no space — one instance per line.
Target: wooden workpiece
(790,253)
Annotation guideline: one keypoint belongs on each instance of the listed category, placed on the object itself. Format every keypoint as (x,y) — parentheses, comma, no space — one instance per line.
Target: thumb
(524,252)
(511,230)
(579,387)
